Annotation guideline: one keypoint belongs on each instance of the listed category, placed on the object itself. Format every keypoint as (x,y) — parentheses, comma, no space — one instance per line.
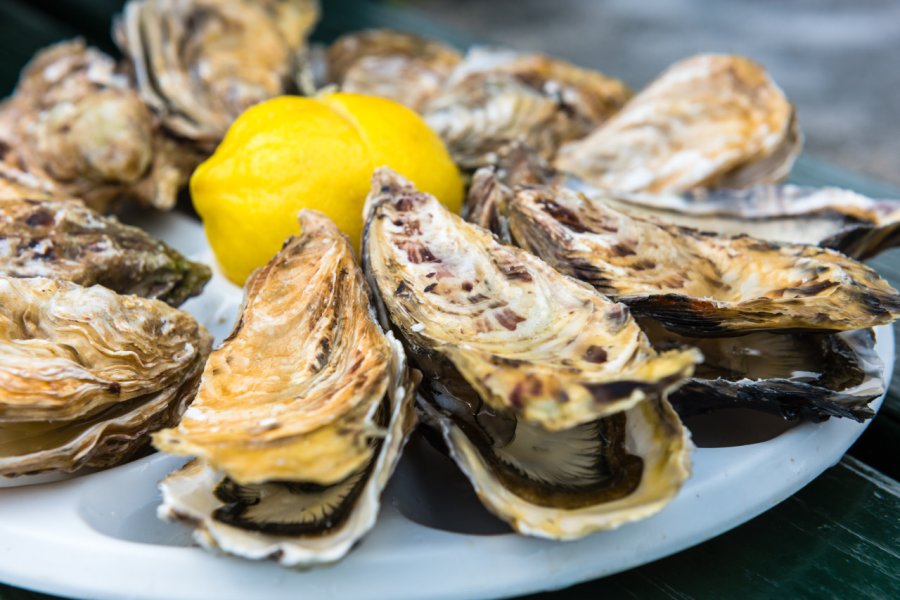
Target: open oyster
(199,63)
(491,318)
(86,373)
(840,219)
(400,66)
(497,96)
(710,120)
(64,239)
(75,122)
(699,283)
(797,376)
(512,348)
(301,414)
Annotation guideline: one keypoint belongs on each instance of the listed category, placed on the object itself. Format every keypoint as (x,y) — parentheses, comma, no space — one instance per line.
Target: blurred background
(837,60)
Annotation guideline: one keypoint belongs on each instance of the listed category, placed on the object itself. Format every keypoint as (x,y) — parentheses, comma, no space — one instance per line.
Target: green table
(837,538)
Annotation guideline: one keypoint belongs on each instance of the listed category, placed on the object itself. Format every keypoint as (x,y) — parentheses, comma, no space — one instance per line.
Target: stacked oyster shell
(301,414)
(92,358)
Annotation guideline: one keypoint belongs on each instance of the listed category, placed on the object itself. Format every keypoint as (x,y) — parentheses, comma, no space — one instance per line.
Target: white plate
(97,536)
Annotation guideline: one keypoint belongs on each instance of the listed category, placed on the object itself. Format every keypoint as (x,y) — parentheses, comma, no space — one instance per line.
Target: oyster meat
(64,239)
(199,63)
(74,121)
(495,97)
(710,120)
(796,376)
(525,338)
(545,391)
(87,373)
(301,414)
(699,283)
(834,218)
(399,66)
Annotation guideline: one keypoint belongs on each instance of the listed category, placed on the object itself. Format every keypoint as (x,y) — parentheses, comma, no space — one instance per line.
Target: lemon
(290,153)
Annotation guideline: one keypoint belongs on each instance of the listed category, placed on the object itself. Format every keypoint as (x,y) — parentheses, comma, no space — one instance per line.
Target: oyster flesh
(831,217)
(710,120)
(699,283)
(796,376)
(199,63)
(86,373)
(74,121)
(399,66)
(301,414)
(495,97)
(64,239)
(496,319)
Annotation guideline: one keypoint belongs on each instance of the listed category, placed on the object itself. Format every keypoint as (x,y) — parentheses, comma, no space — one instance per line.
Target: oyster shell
(64,239)
(199,63)
(399,66)
(474,312)
(495,97)
(700,283)
(75,122)
(566,484)
(300,416)
(86,373)
(834,218)
(710,120)
(797,376)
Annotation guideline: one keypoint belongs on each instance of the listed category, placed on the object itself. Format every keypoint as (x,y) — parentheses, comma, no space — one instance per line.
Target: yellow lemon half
(290,153)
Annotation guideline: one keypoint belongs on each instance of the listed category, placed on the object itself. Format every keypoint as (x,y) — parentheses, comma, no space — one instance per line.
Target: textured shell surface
(708,120)
(495,97)
(396,65)
(699,283)
(475,313)
(796,376)
(831,217)
(75,121)
(86,373)
(200,63)
(64,239)
(301,414)
(292,394)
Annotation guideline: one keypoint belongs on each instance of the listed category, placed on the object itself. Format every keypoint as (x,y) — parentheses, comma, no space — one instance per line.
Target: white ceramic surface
(97,536)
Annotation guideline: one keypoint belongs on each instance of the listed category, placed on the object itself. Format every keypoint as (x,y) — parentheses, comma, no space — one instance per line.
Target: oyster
(301,414)
(400,66)
(86,373)
(699,283)
(199,63)
(834,218)
(566,484)
(797,376)
(75,122)
(710,120)
(16,185)
(479,315)
(495,97)
(64,239)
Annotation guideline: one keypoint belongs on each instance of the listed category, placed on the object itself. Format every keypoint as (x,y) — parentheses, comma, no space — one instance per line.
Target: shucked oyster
(75,122)
(400,66)
(199,63)
(64,239)
(699,283)
(840,219)
(495,97)
(300,416)
(86,373)
(496,320)
(509,347)
(710,120)
(797,376)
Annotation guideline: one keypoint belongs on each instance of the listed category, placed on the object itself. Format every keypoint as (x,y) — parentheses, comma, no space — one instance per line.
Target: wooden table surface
(838,538)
